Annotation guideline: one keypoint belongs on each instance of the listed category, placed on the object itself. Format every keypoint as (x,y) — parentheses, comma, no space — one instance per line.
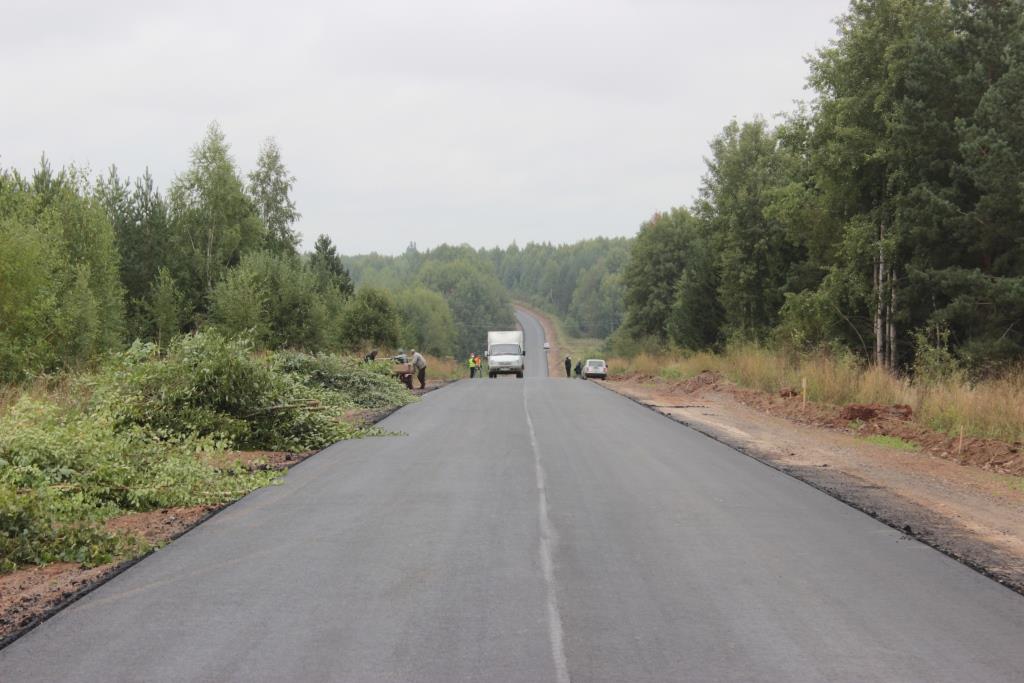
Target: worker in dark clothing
(568,367)
(579,368)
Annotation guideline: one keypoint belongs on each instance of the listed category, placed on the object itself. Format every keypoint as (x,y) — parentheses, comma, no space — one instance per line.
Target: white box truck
(505,353)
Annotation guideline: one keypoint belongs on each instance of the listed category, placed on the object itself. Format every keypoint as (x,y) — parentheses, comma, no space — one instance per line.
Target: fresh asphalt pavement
(535,530)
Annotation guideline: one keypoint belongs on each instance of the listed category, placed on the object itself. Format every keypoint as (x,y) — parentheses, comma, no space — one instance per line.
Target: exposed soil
(29,595)
(159,526)
(953,496)
(988,454)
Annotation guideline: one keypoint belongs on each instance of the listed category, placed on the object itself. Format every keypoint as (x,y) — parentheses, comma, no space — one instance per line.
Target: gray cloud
(477,122)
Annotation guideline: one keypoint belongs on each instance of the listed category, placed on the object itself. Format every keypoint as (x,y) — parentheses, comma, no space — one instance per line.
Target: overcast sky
(475,121)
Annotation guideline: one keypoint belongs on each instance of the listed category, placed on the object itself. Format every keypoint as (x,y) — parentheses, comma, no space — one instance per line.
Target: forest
(884,217)
(89,264)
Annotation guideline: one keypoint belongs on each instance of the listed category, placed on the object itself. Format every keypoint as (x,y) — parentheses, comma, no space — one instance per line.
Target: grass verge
(991,408)
(891,442)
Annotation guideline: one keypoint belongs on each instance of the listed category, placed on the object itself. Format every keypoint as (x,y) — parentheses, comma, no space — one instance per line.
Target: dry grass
(992,408)
(446,368)
(59,389)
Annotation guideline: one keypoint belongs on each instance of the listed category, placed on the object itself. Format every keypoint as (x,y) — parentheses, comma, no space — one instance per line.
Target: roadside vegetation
(146,336)
(88,265)
(449,297)
(148,430)
(891,442)
(990,408)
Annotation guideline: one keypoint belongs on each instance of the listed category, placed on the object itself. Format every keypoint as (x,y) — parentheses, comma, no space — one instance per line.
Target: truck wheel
(491,375)
(519,375)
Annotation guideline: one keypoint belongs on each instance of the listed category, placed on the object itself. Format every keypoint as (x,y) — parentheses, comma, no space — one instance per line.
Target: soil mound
(866,412)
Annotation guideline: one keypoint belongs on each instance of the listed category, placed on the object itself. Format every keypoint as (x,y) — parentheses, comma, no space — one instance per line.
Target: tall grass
(992,408)
(446,368)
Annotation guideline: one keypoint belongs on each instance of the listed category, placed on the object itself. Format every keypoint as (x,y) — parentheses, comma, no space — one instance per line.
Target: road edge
(917,522)
(122,567)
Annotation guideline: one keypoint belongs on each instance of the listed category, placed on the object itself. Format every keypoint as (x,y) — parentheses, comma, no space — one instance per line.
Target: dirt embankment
(955,495)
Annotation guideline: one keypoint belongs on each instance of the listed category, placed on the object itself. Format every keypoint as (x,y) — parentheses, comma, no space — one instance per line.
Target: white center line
(547,543)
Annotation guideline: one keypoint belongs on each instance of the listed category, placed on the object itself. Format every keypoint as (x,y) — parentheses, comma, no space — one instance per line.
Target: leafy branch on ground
(140,434)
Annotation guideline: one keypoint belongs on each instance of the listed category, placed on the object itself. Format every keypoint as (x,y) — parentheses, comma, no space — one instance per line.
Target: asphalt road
(535,530)
(533,338)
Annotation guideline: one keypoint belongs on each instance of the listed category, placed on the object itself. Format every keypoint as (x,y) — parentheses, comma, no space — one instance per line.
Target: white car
(595,367)
(547,346)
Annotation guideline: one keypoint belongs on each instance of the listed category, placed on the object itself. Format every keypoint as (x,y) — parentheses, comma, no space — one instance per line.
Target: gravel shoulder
(956,498)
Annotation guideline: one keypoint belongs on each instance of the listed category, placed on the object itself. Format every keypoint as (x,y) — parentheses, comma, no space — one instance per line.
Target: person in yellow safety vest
(471,363)
(478,362)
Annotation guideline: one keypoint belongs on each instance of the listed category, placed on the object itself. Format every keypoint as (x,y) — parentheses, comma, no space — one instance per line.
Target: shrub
(63,472)
(211,385)
(275,299)
(140,436)
(365,385)
(370,317)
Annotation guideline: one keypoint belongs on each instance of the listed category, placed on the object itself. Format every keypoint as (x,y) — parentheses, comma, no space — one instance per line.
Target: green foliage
(370,319)
(465,279)
(274,299)
(139,215)
(426,321)
(332,276)
(696,318)
(165,308)
(270,187)
(140,436)
(213,221)
(61,301)
(363,385)
(581,282)
(473,292)
(64,471)
(752,252)
(659,255)
(213,386)
(933,361)
(891,204)
(30,265)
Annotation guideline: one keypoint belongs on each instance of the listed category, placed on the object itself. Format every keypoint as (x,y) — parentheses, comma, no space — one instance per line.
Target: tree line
(580,282)
(885,217)
(87,265)
(448,297)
